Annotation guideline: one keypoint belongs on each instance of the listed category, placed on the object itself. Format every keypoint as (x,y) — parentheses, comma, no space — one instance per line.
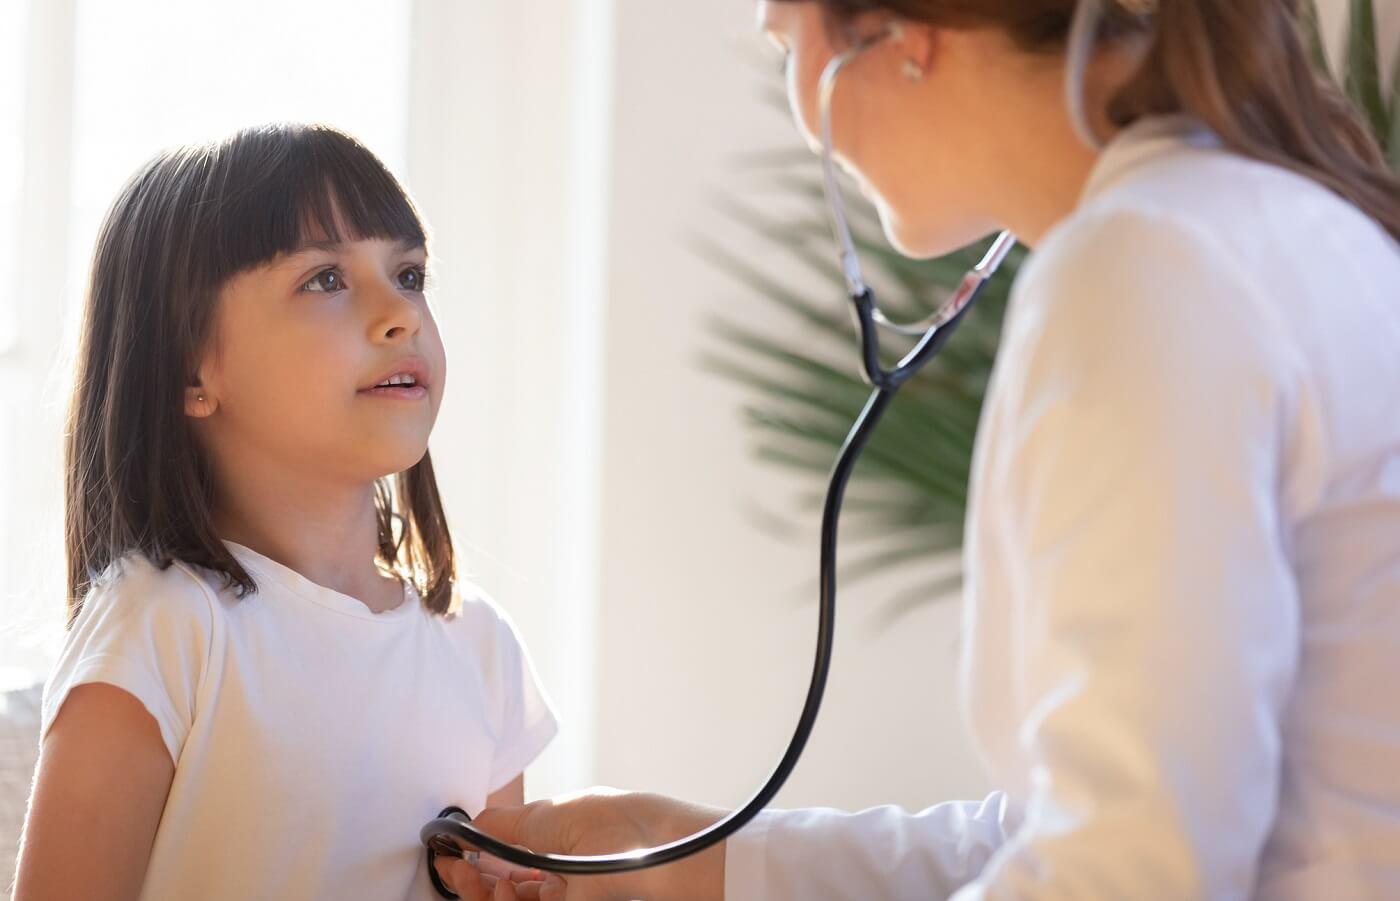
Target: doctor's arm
(1157,612)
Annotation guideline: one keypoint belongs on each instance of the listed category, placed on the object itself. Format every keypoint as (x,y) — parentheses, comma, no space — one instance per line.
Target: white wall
(706,631)
(565,153)
(508,164)
(562,212)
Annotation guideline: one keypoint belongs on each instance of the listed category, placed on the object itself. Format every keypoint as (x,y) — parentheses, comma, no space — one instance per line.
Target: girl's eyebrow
(404,245)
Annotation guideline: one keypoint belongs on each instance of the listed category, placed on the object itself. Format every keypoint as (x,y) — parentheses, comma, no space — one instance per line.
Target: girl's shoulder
(148,630)
(175,591)
(521,713)
(480,624)
(474,610)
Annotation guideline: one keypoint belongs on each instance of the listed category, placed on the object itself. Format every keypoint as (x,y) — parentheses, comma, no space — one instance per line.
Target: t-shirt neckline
(302,587)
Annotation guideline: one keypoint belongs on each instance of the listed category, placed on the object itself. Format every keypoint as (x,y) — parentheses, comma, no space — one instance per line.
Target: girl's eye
(413,278)
(327,281)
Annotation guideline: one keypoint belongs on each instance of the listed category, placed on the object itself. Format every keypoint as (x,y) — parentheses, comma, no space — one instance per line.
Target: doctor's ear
(915,43)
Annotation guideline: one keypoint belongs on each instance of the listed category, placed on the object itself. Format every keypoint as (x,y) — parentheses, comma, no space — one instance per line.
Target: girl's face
(302,357)
(900,119)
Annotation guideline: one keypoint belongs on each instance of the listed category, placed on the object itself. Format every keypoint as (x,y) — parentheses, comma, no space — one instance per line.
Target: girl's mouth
(400,386)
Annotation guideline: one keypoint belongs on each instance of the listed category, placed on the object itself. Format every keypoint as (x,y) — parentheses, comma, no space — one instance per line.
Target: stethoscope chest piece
(438,843)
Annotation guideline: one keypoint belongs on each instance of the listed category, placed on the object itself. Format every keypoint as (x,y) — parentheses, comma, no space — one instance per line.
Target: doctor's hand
(601,821)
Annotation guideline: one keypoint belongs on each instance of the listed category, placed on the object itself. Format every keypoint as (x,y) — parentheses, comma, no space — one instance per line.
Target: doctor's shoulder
(1180,235)
(1200,218)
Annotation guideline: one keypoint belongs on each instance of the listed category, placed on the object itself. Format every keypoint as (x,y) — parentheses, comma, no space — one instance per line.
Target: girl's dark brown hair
(1243,67)
(136,479)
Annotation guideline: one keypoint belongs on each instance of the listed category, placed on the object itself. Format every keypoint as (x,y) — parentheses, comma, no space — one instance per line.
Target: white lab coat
(1182,623)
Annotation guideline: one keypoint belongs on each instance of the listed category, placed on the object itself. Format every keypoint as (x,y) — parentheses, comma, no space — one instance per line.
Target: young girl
(272,677)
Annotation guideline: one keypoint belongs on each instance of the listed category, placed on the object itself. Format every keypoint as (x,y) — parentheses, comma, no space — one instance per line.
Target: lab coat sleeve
(883,852)
(1155,609)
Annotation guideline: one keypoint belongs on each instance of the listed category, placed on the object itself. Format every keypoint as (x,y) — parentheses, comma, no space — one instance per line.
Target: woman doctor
(1182,626)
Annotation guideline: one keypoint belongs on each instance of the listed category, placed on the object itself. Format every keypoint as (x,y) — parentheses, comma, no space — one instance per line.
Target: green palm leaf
(1362,74)
(1391,136)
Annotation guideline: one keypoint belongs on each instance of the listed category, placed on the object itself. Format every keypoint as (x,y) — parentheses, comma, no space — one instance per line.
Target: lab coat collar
(1142,141)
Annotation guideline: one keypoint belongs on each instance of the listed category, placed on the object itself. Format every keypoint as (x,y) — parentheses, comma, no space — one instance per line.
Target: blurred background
(578,162)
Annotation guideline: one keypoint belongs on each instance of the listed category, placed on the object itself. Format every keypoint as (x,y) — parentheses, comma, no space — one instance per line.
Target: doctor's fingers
(490,866)
(552,888)
(473,885)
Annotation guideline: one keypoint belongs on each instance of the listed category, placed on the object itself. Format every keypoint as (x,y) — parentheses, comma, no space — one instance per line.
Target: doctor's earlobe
(910,68)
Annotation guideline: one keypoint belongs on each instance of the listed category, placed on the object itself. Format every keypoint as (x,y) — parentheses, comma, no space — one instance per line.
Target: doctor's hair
(136,478)
(1242,67)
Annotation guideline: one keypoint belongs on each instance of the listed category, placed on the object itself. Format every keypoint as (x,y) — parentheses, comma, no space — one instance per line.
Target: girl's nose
(396,317)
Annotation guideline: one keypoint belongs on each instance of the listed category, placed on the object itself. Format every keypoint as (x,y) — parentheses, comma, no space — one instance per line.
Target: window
(13,28)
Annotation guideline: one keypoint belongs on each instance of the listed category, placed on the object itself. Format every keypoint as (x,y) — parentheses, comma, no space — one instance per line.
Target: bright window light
(146,75)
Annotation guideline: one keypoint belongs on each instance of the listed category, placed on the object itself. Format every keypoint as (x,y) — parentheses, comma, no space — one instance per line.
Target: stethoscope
(453,825)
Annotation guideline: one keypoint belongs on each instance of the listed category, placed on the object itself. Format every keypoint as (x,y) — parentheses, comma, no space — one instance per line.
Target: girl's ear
(199,403)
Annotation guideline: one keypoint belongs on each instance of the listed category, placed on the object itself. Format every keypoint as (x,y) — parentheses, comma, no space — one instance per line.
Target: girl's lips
(398,392)
(414,367)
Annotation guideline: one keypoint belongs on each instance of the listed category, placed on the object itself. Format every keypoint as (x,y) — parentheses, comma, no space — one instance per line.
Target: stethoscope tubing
(439,833)
(453,826)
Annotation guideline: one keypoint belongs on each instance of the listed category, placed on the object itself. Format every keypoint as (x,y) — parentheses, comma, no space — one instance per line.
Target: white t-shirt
(1182,622)
(312,738)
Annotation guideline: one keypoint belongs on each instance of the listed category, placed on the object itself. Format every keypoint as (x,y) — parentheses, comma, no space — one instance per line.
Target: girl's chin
(392,460)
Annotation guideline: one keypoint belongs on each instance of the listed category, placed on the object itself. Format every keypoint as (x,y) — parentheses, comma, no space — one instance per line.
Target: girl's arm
(103,777)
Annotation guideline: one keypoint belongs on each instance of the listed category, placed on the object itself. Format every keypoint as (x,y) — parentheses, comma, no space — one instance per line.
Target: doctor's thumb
(524,826)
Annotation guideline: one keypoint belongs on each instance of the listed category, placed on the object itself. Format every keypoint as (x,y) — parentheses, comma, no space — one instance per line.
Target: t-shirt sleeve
(146,632)
(528,723)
